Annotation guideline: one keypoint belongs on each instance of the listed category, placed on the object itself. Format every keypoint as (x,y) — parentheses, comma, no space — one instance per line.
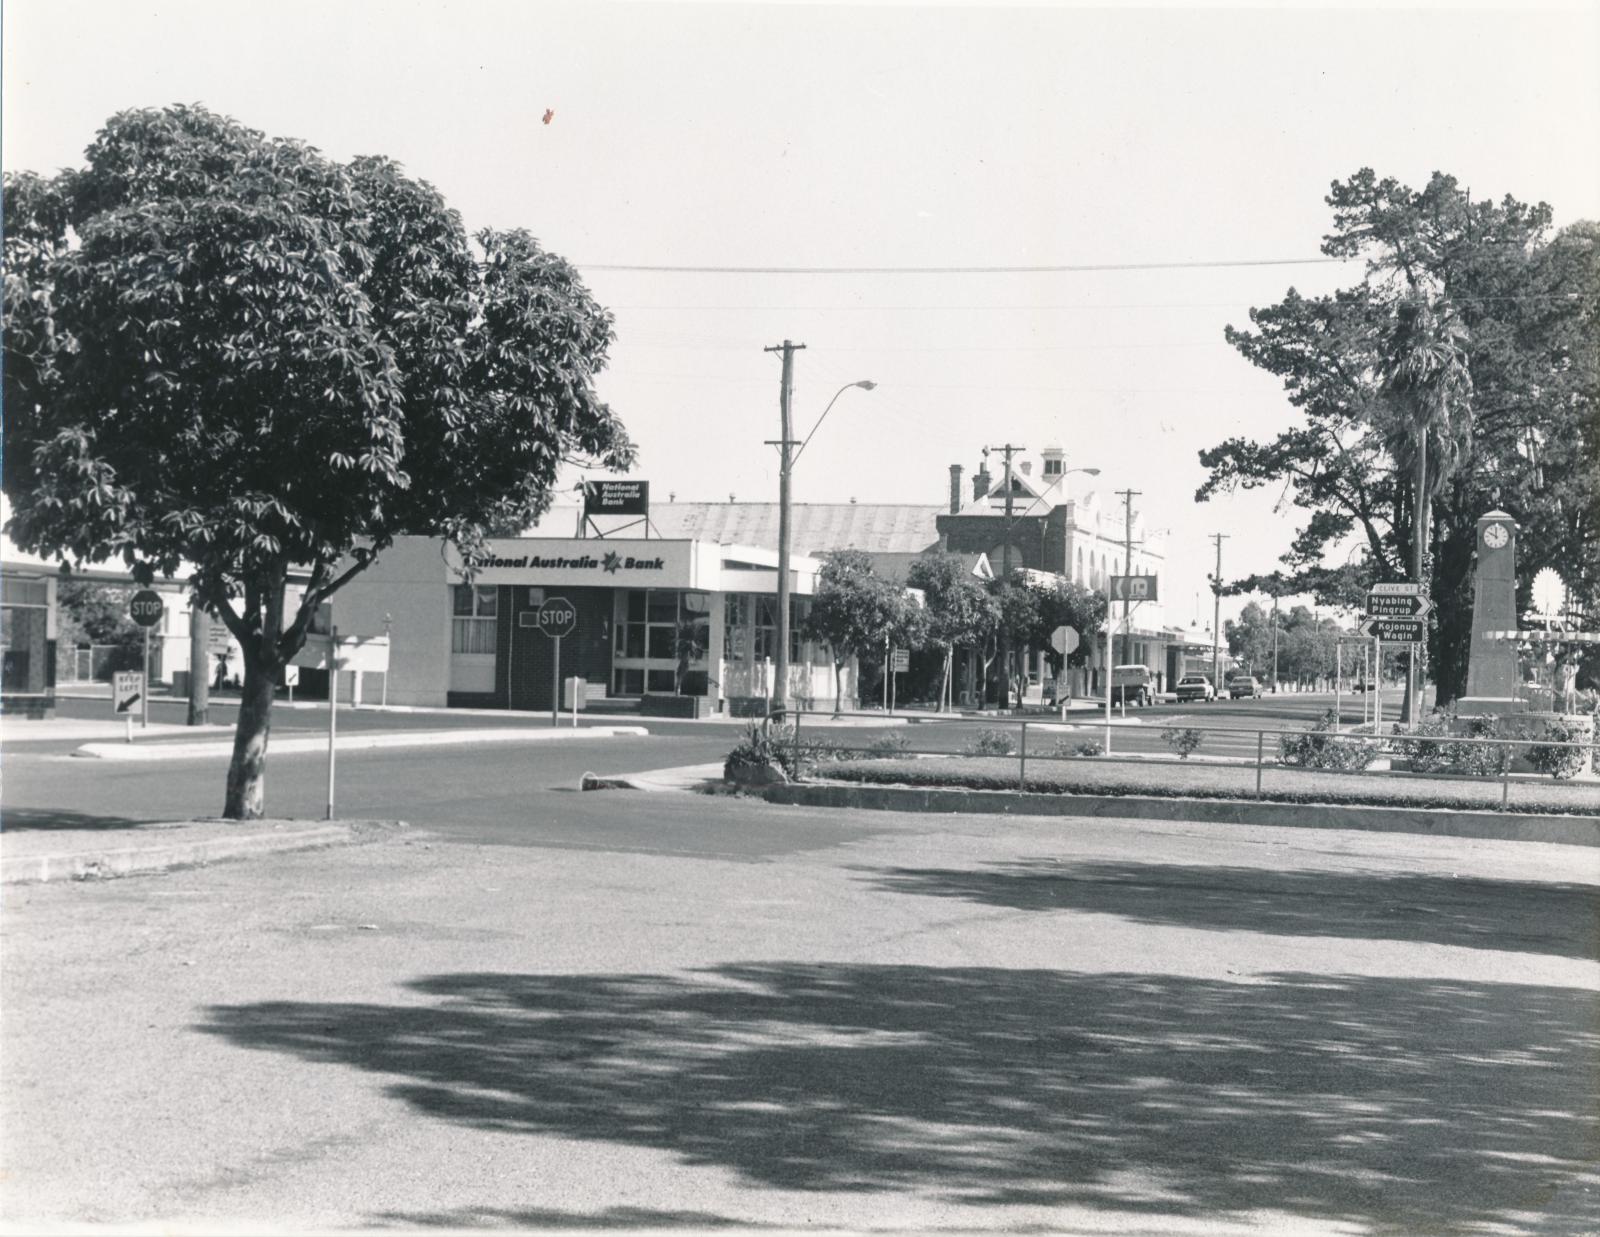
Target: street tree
(228,355)
(1067,604)
(959,613)
(855,612)
(1470,341)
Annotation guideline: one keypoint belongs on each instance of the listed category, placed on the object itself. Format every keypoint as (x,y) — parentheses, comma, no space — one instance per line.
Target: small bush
(991,743)
(886,746)
(1429,751)
(759,747)
(1558,762)
(1182,739)
(1079,747)
(1322,748)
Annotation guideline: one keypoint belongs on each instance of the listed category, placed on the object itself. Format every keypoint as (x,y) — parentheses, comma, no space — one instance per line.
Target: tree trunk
(838,690)
(944,680)
(247,774)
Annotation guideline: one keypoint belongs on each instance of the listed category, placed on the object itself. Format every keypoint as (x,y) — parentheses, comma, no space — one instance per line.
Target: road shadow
(17,819)
(1400,1105)
(1562,920)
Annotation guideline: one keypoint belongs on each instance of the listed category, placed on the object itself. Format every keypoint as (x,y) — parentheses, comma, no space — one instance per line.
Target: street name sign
(558,617)
(127,689)
(1397,605)
(902,661)
(1064,640)
(1133,588)
(1398,588)
(1396,630)
(146,607)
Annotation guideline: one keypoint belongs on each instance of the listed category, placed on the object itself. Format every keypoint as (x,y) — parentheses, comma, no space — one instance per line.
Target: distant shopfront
(657,620)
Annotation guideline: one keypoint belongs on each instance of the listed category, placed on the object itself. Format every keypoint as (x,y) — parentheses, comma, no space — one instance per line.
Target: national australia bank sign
(598,562)
(611,562)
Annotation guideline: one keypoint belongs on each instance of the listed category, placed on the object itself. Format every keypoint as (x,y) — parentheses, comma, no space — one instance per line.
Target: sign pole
(555,704)
(333,707)
(144,705)
(1338,685)
(1377,685)
(1107,660)
(888,669)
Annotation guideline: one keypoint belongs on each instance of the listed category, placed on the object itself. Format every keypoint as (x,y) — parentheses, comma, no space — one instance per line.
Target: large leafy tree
(960,612)
(229,355)
(1472,335)
(855,612)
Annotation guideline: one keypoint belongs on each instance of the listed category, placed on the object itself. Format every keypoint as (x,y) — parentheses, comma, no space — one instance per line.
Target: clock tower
(1492,664)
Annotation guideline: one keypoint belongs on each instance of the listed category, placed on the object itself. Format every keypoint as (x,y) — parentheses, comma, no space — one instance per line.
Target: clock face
(1495,536)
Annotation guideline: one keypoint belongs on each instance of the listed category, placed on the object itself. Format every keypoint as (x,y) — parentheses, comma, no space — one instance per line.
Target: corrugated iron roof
(902,528)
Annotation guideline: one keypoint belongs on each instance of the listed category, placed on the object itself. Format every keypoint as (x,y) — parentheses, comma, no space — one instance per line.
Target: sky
(889,136)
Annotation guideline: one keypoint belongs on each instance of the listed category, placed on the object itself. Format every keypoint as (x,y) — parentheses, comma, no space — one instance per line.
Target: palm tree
(1427,384)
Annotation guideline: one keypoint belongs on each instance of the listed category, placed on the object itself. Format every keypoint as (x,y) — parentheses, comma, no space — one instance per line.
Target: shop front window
(473,617)
(661,642)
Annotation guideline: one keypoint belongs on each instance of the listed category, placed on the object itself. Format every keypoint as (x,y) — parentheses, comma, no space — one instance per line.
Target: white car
(1195,687)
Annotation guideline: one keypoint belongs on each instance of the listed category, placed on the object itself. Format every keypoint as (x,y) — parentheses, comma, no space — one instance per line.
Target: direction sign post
(1395,630)
(557,617)
(127,690)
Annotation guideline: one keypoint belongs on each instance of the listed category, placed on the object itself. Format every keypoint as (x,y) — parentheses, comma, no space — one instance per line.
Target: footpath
(29,855)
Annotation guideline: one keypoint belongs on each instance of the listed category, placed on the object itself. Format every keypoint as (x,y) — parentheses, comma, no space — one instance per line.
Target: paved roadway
(492,787)
(546,1008)
(582,1011)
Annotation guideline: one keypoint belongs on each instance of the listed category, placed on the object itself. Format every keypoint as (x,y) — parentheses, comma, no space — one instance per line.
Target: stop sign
(558,617)
(1064,640)
(145,607)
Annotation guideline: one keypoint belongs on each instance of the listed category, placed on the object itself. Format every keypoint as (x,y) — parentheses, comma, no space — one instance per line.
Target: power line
(957,270)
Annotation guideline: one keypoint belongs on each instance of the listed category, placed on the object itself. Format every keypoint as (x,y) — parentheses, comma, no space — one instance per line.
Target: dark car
(1241,685)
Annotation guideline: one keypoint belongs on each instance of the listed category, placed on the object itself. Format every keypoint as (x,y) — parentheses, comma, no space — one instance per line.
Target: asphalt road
(613,1010)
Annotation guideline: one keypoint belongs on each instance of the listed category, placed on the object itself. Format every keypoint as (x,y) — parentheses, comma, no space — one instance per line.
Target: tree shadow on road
(1514,916)
(1402,1105)
(16,819)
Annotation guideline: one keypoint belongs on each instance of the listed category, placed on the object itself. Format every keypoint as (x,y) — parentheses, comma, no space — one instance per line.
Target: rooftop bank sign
(597,562)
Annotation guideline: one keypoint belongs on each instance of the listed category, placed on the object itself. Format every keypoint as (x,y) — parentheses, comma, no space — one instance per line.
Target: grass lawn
(1200,781)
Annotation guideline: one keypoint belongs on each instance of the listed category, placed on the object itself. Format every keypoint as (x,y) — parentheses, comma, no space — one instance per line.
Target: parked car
(1132,685)
(1241,685)
(1195,687)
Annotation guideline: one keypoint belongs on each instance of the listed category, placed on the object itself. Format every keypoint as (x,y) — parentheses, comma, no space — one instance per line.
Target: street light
(866,384)
(782,667)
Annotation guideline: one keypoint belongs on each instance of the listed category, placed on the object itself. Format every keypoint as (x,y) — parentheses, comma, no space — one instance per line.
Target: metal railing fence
(1451,758)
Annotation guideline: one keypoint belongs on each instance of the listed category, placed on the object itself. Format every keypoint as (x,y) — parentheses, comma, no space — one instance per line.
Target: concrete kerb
(682,779)
(31,857)
(176,750)
(1441,822)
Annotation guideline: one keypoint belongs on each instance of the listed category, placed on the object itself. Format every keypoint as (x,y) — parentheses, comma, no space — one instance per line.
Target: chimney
(1025,467)
(955,489)
(981,482)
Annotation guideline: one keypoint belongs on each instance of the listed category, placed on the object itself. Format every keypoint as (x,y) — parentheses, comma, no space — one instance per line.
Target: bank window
(472,626)
(766,644)
(735,619)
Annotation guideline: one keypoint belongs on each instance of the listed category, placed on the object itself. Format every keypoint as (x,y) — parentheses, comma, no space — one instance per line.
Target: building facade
(659,620)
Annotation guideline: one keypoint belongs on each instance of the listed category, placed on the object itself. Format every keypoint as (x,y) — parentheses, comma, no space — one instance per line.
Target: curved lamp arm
(866,384)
